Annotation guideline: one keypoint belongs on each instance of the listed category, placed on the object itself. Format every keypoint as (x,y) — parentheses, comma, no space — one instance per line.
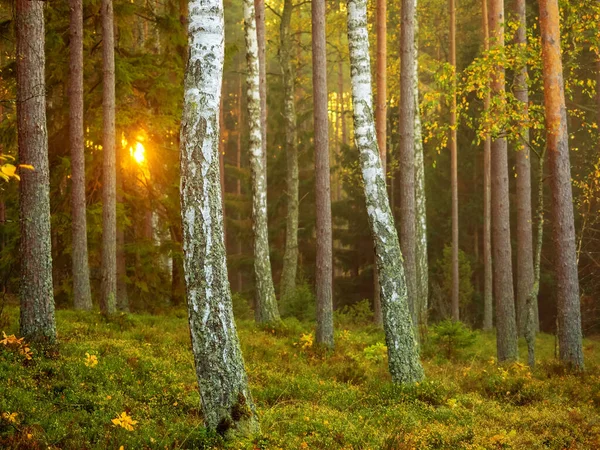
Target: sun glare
(138,152)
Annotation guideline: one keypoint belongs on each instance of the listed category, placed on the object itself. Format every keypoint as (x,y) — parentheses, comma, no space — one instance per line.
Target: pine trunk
(506,337)
(226,400)
(37,297)
(109,205)
(403,353)
(525,273)
(82,294)
(557,142)
(122,297)
(266,304)
(290,257)
(324,264)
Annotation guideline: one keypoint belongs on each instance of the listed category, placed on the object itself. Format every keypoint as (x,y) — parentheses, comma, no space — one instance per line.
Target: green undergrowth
(74,396)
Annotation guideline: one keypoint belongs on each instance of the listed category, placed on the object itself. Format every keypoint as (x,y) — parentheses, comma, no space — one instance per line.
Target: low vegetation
(129,383)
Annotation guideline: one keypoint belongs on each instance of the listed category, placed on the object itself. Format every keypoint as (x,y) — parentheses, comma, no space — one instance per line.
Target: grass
(305,398)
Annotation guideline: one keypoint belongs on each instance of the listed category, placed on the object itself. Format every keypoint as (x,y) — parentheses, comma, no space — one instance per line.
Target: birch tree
(37,298)
(557,141)
(454,167)
(403,354)
(266,304)
(82,295)
(226,400)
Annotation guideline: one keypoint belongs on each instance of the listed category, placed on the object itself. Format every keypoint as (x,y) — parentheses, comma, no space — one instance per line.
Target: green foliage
(241,307)
(444,275)
(359,313)
(377,352)
(300,304)
(450,338)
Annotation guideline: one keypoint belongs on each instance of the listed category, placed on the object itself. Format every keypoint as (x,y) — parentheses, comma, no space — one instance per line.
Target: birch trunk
(324,263)
(37,298)
(506,337)
(454,167)
(226,400)
(109,204)
(290,257)
(403,354)
(82,294)
(557,141)
(266,304)
(259,8)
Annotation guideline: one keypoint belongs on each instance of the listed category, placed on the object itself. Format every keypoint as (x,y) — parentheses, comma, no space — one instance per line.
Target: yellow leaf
(26,166)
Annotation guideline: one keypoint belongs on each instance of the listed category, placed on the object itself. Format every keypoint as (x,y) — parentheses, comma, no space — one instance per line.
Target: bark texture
(407,154)
(454,167)
(557,142)
(122,297)
(259,8)
(226,400)
(37,298)
(403,354)
(525,273)
(82,294)
(506,337)
(108,294)
(266,304)
(290,256)
(324,265)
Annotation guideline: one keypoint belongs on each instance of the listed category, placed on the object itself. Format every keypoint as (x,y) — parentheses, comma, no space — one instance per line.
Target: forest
(292,224)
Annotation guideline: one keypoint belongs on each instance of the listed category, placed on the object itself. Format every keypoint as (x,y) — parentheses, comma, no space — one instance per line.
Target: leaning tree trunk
(421,258)
(403,353)
(557,141)
(82,294)
(454,167)
(266,304)
(37,298)
(506,337)
(324,263)
(290,256)
(109,205)
(525,273)
(226,400)
(488,300)
(407,154)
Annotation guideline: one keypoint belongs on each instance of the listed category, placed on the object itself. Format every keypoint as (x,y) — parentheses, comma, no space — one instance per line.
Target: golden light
(138,152)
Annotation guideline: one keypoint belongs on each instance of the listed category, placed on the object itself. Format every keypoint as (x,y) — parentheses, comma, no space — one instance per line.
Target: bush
(451,338)
(357,314)
(300,304)
(241,307)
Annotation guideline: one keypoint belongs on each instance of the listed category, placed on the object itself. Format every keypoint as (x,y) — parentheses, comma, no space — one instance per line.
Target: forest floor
(142,365)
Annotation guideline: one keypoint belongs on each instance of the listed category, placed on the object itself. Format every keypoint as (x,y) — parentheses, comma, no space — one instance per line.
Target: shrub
(241,307)
(300,304)
(357,314)
(451,337)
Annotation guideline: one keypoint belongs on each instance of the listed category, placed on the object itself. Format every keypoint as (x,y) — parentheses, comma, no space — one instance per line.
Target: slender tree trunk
(525,273)
(266,304)
(557,141)
(109,209)
(240,276)
(290,257)
(37,298)
(488,299)
(122,297)
(407,154)
(259,7)
(381,122)
(222,138)
(324,265)
(403,353)
(226,400)
(506,337)
(82,294)
(454,167)
(422,262)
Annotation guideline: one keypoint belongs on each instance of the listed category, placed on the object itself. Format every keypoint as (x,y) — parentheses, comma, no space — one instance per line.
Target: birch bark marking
(37,298)
(266,304)
(82,295)
(403,354)
(557,139)
(226,400)
(506,337)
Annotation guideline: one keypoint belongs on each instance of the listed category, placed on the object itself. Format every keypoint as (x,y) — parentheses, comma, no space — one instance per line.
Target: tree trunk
(290,257)
(421,257)
(403,354)
(488,300)
(226,400)
(557,142)
(381,123)
(109,208)
(122,297)
(240,249)
(37,298)
(266,304)
(259,8)
(454,167)
(82,294)
(524,227)
(506,337)
(407,154)
(324,264)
